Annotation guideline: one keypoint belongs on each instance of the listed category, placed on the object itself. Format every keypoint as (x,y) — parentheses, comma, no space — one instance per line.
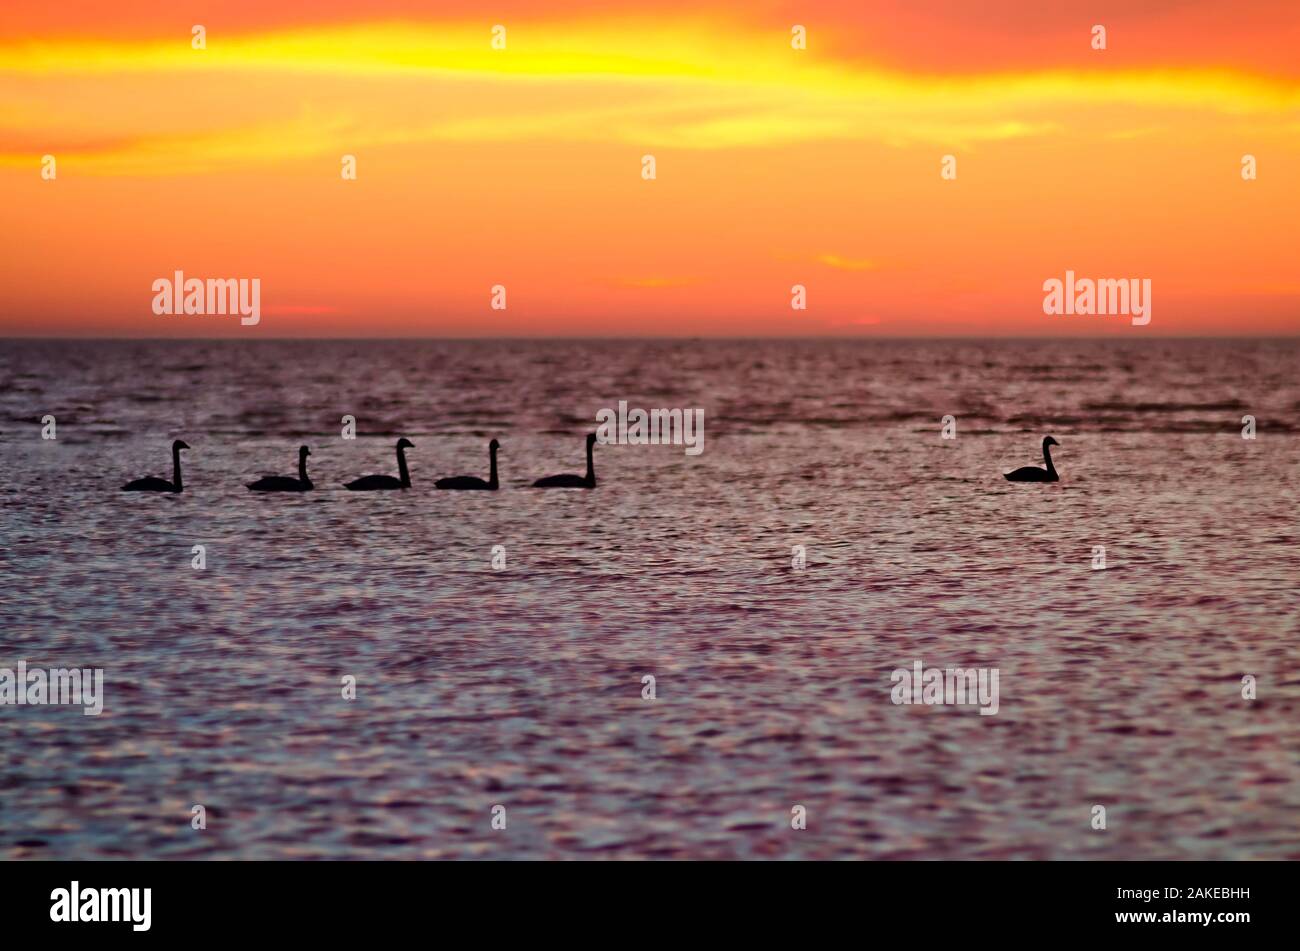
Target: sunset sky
(775,166)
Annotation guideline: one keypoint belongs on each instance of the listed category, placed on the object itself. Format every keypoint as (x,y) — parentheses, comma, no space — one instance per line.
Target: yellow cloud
(651,282)
(847,264)
(698,84)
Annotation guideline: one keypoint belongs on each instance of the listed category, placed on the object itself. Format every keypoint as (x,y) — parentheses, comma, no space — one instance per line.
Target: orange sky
(522,167)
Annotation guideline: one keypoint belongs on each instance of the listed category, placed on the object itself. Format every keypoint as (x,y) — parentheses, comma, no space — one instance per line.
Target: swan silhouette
(1035,474)
(286,483)
(473,482)
(154,484)
(572,481)
(373,483)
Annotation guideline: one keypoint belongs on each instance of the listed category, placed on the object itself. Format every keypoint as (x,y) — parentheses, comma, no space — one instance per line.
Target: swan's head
(304,451)
(405,443)
(178,445)
(591,439)
(1049,441)
(493,446)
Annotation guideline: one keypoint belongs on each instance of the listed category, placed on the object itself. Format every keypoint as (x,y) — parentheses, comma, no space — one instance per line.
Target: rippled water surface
(523,687)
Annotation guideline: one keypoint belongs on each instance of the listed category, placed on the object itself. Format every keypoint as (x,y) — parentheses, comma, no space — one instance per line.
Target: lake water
(523,687)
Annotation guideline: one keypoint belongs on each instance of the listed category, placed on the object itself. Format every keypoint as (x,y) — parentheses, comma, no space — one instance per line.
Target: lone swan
(373,483)
(286,483)
(154,484)
(572,481)
(473,482)
(1035,474)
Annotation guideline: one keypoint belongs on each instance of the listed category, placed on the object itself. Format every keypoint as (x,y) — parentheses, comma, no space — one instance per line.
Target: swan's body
(465,483)
(1035,474)
(373,483)
(154,484)
(286,483)
(150,484)
(568,481)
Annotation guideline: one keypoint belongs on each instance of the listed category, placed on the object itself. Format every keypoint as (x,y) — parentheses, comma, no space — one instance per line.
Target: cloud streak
(694,84)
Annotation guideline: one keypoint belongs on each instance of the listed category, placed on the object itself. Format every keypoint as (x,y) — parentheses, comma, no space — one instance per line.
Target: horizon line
(66,338)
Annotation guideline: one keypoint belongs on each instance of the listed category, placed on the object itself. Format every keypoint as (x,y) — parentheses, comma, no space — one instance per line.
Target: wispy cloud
(847,264)
(694,83)
(652,282)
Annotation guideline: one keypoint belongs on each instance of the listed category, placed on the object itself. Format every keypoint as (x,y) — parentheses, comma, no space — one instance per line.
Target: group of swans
(375,483)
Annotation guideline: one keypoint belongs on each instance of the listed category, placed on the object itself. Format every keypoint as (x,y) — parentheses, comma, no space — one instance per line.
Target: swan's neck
(176,469)
(492,477)
(1047,458)
(401,468)
(302,470)
(591,469)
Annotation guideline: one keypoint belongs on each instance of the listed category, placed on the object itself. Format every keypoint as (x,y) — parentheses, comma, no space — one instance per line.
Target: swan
(154,484)
(371,483)
(572,481)
(473,482)
(286,483)
(1035,474)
